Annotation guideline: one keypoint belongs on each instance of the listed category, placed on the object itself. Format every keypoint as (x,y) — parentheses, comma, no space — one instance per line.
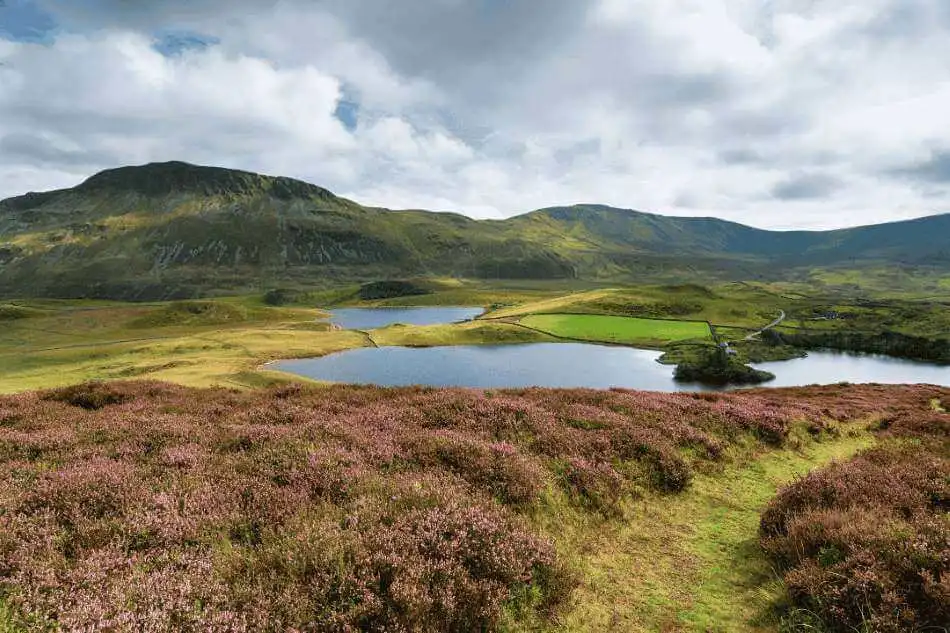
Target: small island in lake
(719,366)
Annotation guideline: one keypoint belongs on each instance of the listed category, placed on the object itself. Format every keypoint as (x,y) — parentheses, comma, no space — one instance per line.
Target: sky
(774,113)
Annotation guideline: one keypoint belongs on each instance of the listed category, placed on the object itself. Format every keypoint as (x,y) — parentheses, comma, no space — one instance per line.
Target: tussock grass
(11,312)
(187,313)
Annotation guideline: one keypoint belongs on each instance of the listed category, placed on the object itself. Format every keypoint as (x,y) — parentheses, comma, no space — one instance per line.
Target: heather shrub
(497,466)
(147,506)
(669,471)
(452,569)
(91,396)
(418,563)
(593,485)
(865,545)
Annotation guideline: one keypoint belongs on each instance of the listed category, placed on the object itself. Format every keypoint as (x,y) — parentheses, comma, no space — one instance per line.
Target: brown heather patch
(146,506)
(865,545)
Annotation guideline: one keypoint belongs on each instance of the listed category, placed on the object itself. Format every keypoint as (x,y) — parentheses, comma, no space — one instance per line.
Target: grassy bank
(196,343)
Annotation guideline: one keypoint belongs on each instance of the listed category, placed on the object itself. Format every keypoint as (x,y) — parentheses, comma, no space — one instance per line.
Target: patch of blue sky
(173,42)
(26,21)
(348,112)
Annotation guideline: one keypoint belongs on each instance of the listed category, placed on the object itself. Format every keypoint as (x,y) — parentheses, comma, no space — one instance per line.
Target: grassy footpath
(6,620)
(617,329)
(687,562)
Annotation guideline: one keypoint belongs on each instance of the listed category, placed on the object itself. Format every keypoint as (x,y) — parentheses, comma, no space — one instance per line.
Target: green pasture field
(617,329)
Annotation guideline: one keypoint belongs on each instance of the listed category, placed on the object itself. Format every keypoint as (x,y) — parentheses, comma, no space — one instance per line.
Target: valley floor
(227,341)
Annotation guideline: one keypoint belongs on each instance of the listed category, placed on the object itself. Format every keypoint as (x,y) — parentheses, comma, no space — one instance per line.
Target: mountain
(174,230)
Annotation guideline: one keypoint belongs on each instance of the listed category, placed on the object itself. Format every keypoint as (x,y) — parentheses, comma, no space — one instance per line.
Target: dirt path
(767,327)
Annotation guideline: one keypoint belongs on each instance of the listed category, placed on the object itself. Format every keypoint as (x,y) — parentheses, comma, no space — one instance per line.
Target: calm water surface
(831,367)
(581,365)
(372,318)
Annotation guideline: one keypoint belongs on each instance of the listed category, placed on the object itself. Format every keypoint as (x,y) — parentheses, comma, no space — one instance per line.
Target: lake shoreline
(581,365)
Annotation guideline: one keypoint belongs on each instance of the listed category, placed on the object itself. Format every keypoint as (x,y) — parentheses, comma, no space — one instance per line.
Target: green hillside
(174,230)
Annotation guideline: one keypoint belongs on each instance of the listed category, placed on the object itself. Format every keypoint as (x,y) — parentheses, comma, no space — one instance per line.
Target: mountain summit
(175,177)
(178,230)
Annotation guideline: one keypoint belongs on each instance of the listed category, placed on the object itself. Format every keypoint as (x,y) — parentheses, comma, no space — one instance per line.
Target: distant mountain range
(178,230)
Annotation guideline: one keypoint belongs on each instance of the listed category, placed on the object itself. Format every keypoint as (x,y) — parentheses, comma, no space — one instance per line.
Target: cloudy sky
(775,113)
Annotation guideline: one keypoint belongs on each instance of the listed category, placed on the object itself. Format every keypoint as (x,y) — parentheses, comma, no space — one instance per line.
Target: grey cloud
(741,156)
(806,187)
(907,19)
(683,89)
(446,37)
(35,150)
(654,108)
(417,37)
(686,199)
(146,15)
(936,169)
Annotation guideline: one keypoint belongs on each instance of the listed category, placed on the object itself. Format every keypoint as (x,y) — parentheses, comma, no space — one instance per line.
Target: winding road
(767,327)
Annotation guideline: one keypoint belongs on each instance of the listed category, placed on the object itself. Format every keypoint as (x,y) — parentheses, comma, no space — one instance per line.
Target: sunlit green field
(617,329)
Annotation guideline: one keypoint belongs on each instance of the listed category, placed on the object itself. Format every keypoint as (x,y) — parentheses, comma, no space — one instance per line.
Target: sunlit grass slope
(616,329)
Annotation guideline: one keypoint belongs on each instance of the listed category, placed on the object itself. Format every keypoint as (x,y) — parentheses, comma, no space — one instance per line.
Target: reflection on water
(581,365)
(827,367)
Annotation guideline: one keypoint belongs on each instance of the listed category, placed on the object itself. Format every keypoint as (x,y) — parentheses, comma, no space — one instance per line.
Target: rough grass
(551,304)
(472,333)
(7,623)
(196,343)
(11,312)
(186,313)
(616,329)
(402,509)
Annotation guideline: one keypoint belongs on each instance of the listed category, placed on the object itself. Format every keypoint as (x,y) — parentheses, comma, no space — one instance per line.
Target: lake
(581,365)
(372,318)
(827,367)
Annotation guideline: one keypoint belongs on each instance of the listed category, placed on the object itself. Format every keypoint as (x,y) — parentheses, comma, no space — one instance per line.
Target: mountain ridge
(175,229)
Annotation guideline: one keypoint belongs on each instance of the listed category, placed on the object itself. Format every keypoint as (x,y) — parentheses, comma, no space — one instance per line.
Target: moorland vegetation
(148,506)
